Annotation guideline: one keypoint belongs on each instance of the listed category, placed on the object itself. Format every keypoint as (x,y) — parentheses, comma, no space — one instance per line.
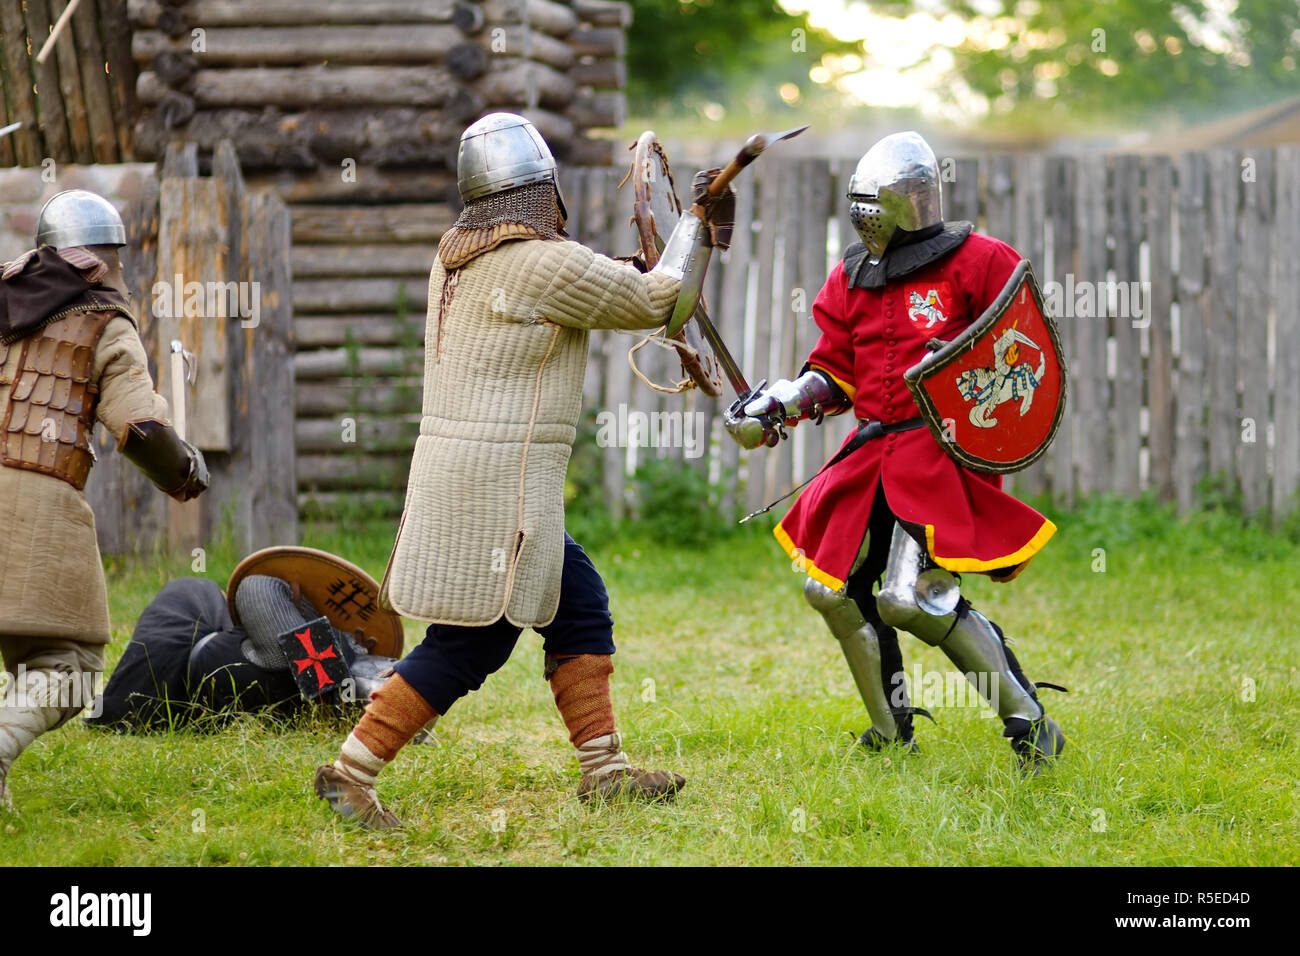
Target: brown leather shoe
(638,784)
(352,800)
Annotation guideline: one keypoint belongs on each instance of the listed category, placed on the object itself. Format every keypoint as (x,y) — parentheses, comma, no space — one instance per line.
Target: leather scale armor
(50,414)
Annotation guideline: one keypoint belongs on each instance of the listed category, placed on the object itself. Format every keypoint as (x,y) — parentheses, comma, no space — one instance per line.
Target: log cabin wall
(351,110)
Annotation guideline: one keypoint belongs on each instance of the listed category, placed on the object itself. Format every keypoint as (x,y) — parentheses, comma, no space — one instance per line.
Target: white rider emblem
(928,308)
(1007,381)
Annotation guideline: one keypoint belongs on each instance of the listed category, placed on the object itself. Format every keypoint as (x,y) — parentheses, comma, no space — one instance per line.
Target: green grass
(1167,763)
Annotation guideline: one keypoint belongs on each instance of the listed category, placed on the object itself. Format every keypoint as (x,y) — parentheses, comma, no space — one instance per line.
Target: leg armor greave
(926,601)
(890,719)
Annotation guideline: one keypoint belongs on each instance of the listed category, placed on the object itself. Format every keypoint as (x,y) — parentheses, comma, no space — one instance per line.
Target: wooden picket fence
(1203,380)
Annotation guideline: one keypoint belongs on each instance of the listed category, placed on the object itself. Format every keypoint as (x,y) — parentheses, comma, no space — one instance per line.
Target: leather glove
(198,479)
(719,211)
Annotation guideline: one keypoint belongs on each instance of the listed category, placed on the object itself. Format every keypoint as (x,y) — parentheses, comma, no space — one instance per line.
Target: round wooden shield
(337,588)
(993,397)
(655,212)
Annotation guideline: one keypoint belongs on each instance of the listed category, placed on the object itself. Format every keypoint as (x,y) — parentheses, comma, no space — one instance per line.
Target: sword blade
(730,368)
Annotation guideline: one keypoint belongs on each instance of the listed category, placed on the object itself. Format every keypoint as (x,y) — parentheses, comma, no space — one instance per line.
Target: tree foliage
(1124,58)
(721,51)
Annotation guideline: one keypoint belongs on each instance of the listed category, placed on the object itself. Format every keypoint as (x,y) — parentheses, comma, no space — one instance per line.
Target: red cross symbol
(314,658)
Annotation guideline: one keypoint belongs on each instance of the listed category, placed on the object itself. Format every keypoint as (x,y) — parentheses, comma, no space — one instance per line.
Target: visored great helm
(76,217)
(504,151)
(895,186)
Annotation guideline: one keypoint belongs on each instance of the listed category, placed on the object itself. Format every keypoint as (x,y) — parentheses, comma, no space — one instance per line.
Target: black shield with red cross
(315,657)
(993,397)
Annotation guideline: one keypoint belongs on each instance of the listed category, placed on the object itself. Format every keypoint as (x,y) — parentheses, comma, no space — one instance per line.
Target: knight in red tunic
(899,506)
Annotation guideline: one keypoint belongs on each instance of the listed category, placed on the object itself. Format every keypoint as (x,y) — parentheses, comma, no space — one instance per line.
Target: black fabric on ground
(156,684)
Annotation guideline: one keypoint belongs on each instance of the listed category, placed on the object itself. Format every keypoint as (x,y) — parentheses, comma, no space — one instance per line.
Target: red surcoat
(869,338)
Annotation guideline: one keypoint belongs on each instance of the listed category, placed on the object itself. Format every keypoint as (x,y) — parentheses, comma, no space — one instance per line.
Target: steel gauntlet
(174,465)
(762,418)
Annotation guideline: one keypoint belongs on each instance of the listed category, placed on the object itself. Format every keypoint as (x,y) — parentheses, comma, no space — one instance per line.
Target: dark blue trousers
(451,661)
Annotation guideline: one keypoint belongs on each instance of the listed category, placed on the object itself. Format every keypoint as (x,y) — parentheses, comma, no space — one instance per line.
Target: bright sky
(891,46)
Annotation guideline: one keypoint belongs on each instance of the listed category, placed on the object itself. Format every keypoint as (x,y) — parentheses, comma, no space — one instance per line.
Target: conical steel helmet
(895,186)
(504,151)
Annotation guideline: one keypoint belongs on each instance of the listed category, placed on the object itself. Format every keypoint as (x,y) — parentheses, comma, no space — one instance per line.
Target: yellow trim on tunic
(814,572)
(1015,560)
(849,390)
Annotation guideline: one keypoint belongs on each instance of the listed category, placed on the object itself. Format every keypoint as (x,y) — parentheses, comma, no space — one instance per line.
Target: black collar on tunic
(916,250)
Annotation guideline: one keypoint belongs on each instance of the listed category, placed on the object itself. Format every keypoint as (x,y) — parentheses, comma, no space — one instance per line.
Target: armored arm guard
(174,465)
(785,403)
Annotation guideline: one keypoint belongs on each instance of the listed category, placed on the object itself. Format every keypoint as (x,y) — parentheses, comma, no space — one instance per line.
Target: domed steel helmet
(896,186)
(76,217)
(503,151)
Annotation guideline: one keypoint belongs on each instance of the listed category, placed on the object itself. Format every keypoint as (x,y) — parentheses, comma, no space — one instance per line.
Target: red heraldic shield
(994,396)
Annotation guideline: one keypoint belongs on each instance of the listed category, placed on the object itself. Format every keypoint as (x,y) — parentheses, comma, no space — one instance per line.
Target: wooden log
(524,83)
(1286,304)
(607,109)
(1061,216)
(175,110)
(413,222)
(1193,322)
(1225,419)
(335,331)
(352,470)
(544,15)
(194,246)
(336,363)
(1253,304)
(94,82)
(269,389)
(311,86)
(468,61)
(558,131)
(374,434)
(327,185)
(374,45)
(294,13)
(600,74)
(320,138)
(337,295)
(115,34)
(174,67)
(181,159)
(18,86)
(74,101)
(599,42)
(336,397)
(1125,228)
(57,143)
(603,13)
(590,151)
(1160,360)
(1093,386)
(333,261)
(547,49)
(468,18)
(228,503)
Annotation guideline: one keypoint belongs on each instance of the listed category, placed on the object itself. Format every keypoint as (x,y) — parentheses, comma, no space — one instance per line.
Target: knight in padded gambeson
(899,510)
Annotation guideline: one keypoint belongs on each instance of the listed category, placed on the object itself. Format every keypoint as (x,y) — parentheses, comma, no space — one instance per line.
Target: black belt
(867,431)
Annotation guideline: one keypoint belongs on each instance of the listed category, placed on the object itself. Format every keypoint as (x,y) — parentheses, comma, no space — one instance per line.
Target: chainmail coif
(529,212)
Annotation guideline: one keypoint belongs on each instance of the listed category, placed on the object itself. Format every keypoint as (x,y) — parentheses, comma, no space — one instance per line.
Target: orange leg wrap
(395,714)
(581,688)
